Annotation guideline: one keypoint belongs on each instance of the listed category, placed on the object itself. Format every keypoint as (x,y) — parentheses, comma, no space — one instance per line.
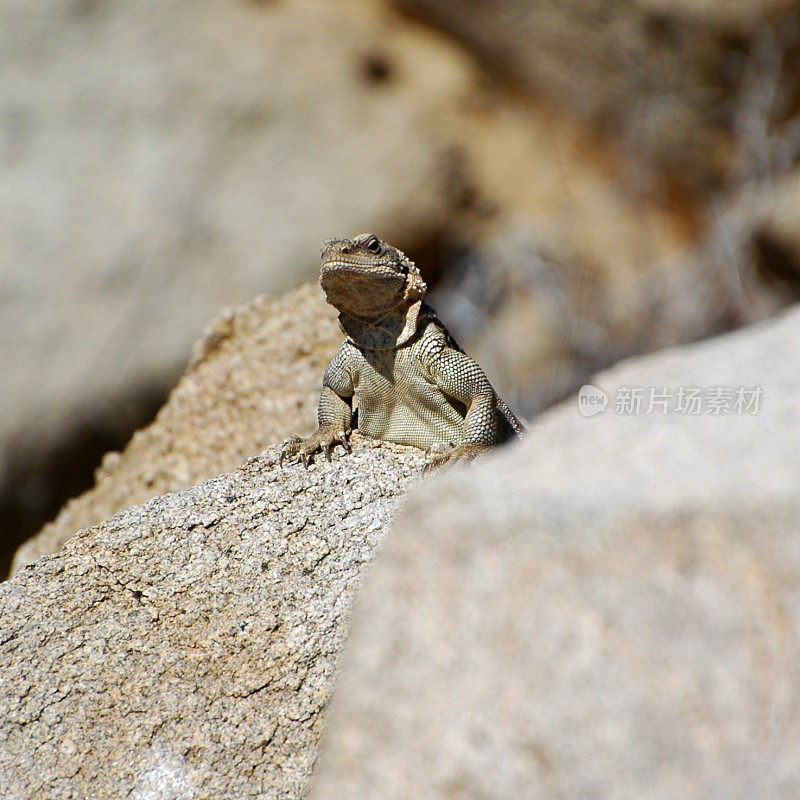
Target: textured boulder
(185,648)
(607,610)
(253,378)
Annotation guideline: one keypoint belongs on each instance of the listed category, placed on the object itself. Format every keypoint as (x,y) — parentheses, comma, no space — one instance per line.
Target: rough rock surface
(252,380)
(185,648)
(610,609)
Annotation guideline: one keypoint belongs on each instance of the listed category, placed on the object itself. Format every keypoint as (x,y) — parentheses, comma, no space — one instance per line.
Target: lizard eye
(374,246)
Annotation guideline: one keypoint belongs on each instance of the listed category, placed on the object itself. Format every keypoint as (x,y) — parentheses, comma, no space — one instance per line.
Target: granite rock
(185,648)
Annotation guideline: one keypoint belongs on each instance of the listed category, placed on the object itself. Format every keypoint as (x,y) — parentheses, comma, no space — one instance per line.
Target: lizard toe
(324,439)
(440,455)
(289,448)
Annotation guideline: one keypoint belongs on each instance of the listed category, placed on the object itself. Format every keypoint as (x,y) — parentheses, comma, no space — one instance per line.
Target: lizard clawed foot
(440,454)
(324,439)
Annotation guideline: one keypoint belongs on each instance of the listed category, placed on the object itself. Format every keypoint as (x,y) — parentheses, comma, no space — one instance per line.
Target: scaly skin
(411,382)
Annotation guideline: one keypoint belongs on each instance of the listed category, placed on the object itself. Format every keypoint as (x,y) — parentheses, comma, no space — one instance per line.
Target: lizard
(411,382)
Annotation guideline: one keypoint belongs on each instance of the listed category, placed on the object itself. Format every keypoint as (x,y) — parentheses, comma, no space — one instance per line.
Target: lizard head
(367,278)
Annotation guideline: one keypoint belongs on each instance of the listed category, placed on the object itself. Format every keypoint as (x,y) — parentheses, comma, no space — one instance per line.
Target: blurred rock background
(579,181)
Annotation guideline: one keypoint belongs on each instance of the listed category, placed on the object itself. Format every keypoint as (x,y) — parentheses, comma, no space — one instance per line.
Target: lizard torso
(397,396)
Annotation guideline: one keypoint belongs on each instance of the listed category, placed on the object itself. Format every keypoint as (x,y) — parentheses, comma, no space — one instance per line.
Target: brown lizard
(411,381)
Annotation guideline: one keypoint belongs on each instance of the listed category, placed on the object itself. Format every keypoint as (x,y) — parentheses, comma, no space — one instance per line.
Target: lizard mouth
(362,267)
(360,287)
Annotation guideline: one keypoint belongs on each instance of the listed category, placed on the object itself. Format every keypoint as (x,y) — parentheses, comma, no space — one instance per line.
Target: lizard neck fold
(391,332)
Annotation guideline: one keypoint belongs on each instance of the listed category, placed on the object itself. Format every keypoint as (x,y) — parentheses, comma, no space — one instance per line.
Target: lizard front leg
(458,376)
(334,416)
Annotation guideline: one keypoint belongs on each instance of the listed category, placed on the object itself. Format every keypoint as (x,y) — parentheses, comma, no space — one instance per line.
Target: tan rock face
(252,380)
(608,609)
(187,647)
